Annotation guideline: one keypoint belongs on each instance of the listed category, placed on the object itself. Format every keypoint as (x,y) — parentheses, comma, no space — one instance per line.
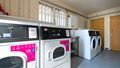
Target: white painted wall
(106,23)
(73,21)
(63,4)
(77,22)
(105,12)
(107,31)
(82,22)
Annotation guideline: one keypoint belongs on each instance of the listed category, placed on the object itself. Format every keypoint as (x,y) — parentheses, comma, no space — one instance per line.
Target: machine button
(45,29)
(33,50)
(58,34)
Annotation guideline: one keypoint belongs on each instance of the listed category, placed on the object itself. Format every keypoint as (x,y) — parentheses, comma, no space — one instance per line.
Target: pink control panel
(28,49)
(66,43)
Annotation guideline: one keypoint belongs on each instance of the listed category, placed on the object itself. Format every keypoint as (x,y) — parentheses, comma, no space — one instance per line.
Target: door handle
(49,56)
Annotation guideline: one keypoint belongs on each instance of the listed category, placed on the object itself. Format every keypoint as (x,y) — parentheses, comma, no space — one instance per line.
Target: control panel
(28,49)
(17,32)
(54,33)
(98,33)
(92,33)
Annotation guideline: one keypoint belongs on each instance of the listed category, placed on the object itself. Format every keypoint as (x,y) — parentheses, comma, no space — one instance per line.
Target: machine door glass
(93,43)
(11,62)
(99,41)
(59,52)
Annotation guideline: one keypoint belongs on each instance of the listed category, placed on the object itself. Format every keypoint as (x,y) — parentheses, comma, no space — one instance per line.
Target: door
(98,24)
(93,44)
(58,52)
(99,41)
(54,50)
(115,32)
(11,62)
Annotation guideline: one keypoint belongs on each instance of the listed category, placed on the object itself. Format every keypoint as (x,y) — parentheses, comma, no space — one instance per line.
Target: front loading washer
(18,45)
(55,47)
(99,41)
(87,43)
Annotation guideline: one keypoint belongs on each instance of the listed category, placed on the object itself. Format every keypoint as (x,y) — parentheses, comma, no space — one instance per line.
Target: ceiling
(92,6)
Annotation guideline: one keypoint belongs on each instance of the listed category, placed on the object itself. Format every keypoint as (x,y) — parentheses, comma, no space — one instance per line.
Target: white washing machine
(18,45)
(87,43)
(55,47)
(99,41)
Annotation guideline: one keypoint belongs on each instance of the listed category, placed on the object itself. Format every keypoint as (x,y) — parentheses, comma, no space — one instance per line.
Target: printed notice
(32,32)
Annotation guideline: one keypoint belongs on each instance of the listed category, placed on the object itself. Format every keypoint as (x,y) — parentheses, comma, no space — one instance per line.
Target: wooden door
(98,24)
(115,32)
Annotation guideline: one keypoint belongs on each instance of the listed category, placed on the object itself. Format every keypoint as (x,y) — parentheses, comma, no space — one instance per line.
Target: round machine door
(57,53)
(93,43)
(12,62)
(99,41)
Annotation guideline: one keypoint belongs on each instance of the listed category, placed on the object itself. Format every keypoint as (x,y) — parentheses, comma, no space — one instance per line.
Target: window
(52,14)
(46,13)
(60,17)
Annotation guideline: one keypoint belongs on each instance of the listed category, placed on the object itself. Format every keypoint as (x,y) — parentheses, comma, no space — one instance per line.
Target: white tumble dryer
(55,47)
(99,41)
(87,43)
(18,45)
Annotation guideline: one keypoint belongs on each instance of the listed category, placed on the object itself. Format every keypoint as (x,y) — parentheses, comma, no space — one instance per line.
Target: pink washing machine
(55,47)
(18,45)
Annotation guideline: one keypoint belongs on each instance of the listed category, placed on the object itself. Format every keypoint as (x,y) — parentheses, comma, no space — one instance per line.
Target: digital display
(54,33)
(6,35)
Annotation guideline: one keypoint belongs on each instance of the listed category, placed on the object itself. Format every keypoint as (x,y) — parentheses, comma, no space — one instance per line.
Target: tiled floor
(106,59)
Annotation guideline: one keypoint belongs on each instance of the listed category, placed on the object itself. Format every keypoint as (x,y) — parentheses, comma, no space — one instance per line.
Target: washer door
(99,41)
(11,62)
(93,43)
(57,53)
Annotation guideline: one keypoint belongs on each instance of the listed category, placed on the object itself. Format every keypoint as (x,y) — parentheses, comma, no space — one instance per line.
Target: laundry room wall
(21,8)
(106,14)
(82,22)
(62,4)
(28,9)
(76,21)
